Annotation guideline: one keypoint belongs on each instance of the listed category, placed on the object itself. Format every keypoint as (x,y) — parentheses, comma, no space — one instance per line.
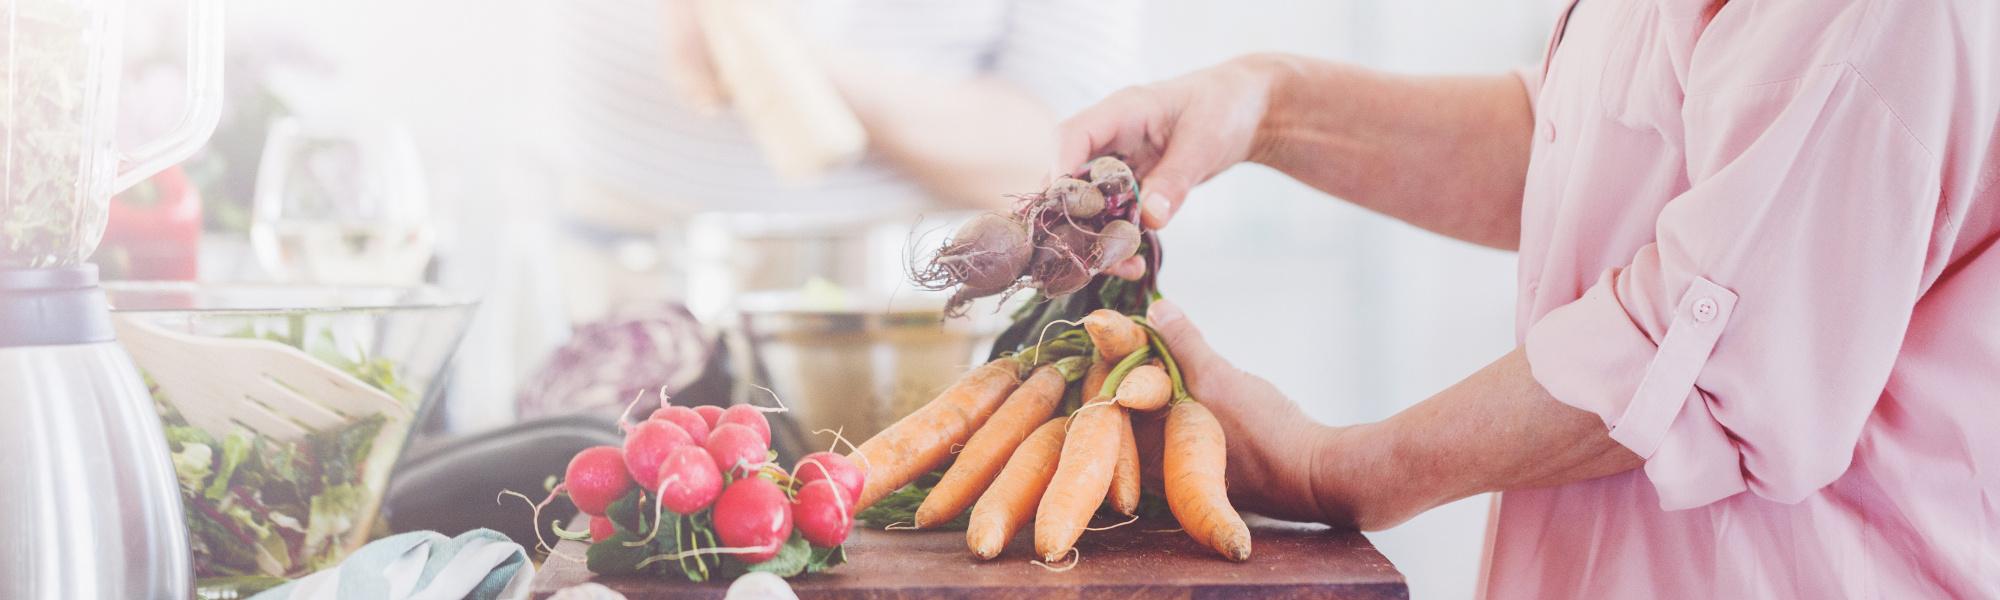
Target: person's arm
(1448,154)
(970,142)
(974,141)
(1496,430)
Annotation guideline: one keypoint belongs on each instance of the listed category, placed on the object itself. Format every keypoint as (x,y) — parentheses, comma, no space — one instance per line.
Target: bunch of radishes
(1055,242)
(693,486)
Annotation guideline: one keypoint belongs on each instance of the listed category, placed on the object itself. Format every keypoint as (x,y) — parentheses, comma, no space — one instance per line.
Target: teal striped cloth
(478,565)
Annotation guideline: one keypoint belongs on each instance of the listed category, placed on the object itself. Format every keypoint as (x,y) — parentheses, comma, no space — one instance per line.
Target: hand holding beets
(1055,242)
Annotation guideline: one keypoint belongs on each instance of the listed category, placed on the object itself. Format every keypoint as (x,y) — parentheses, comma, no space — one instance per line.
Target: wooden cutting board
(1141,560)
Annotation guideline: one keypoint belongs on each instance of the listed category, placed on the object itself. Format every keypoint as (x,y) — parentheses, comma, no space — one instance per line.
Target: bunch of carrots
(1022,456)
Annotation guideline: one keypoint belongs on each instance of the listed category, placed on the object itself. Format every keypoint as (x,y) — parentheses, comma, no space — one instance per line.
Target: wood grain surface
(1141,560)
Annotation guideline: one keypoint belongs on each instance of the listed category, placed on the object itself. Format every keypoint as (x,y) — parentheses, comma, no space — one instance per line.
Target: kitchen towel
(481,564)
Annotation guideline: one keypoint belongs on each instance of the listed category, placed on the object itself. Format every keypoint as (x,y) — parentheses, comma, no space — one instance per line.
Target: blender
(92,508)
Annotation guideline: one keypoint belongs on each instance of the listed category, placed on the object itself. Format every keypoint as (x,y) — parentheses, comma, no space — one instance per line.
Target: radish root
(624,424)
(541,543)
(851,448)
(839,493)
(676,556)
(658,509)
(774,398)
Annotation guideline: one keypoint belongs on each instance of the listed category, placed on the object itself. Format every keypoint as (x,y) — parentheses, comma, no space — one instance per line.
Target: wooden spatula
(271,388)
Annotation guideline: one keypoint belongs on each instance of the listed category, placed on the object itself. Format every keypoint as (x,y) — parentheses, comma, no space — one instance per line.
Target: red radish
(823,513)
(736,449)
(646,446)
(753,513)
(597,477)
(709,414)
(689,480)
(600,529)
(689,420)
(748,416)
(832,466)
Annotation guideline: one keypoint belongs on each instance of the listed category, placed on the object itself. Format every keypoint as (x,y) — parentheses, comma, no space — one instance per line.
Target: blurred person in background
(1756,326)
(959,102)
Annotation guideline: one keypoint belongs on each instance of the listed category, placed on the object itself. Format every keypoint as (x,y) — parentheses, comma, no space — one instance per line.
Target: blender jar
(59,161)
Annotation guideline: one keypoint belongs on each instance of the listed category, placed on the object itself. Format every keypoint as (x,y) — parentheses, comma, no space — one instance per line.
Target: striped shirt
(630,134)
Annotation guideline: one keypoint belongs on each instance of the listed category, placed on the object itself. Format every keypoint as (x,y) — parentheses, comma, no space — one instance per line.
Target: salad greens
(901,505)
(258,506)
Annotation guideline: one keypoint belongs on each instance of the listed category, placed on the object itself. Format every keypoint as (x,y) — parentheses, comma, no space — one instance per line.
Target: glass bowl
(262,507)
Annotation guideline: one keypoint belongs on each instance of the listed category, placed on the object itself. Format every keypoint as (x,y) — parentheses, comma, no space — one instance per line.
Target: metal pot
(857,371)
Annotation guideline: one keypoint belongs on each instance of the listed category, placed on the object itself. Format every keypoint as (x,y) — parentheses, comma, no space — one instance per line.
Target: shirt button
(1548,131)
(1705,310)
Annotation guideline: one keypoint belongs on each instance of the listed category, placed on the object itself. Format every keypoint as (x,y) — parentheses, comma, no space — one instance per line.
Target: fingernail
(1163,313)
(1156,208)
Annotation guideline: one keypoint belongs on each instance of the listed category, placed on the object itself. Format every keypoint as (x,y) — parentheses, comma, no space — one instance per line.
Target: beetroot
(647,445)
(753,513)
(601,528)
(747,416)
(1118,241)
(1063,258)
(823,513)
(689,480)
(1114,178)
(688,420)
(1076,198)
(984,257)
(833,467)
(736,449)
(597,477)
(1056,241)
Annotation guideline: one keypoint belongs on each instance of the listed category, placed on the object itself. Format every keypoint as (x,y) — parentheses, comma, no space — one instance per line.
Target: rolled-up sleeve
(1746,346)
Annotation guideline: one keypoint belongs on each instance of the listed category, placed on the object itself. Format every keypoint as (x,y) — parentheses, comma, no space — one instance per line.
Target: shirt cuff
(1590,354)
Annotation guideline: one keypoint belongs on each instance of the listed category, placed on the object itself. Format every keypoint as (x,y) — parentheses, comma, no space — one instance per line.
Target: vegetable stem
(1125,366)
(1173,369)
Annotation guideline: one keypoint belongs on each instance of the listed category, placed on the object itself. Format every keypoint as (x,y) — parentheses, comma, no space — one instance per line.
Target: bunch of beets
(1055,241)
(695,491)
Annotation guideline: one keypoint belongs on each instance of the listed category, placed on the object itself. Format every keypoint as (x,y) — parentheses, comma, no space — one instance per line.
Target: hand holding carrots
(1015,469)
(1269,436)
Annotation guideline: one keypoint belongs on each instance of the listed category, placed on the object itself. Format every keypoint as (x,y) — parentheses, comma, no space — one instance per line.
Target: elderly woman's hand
(1272,443)
(1175,133)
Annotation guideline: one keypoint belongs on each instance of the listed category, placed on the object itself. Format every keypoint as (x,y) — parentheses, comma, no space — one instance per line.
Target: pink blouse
(1758,241)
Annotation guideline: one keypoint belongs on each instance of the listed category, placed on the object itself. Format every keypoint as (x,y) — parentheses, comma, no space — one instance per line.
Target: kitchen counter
(1140,560)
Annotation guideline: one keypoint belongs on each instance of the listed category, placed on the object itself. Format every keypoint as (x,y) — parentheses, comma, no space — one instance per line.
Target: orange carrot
(1145,388)
(1009,502)
(1124,494)
(1115,334)
(983,455)
(1195,460)
(922,440)
(1082,479)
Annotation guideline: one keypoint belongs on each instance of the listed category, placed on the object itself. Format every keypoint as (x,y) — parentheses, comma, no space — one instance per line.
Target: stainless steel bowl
(858,370)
